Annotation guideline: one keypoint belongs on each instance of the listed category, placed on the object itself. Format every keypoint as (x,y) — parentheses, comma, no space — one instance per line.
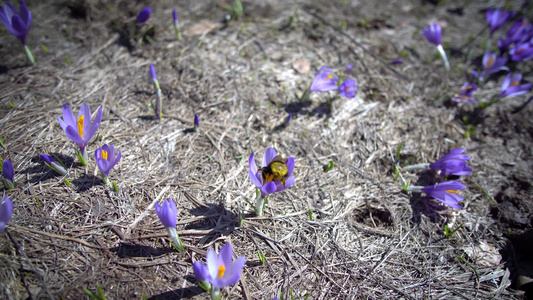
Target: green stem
(444,57)
(29,54)
(424,166)
(176,241)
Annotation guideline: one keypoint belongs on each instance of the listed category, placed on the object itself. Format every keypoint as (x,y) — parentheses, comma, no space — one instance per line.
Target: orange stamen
(490,62)
(329,77)
(451,191)
(221,271)
(514,83)
(104,154)
(80,125)
(347,88)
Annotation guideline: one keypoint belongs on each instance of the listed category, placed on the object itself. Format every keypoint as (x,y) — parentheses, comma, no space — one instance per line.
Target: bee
(276,170)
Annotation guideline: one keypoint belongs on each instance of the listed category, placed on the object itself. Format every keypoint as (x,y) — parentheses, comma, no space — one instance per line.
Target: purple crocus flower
(446,192)
(492,64)
(196,121)
(143,15)
(511,86)
(268,186)
(349,68)
(152,73)
(497,17)
(17,23)
(323,81)
(6,210)
(396,62)
(348,88)
(433,33)
(167,213)
(521,52)
(80,130)
(288,120)
(220,271)
(105,159)
(465,93)
(9,175)
(452,163)
(54,164)
(177,32)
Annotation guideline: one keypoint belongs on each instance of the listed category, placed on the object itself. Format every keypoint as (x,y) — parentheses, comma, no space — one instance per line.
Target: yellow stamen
(221,271)
(466,88)
(490,62)
(104,154)
(80,125)
(514,83)
(451,191)
(329,77)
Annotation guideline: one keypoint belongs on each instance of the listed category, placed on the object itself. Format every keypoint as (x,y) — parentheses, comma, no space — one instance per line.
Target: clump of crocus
(6,210)
(348,88)
(452,163)
(196,123)
(158,102)
(492,64)
(497,17)
(18,23)
(433,34)
(106,160)
(177,32)
(511,86)
(219,271)
(167,214)
(9,174)
(465,93)
(273,176)
(143,16)
(519,32)
(80,130)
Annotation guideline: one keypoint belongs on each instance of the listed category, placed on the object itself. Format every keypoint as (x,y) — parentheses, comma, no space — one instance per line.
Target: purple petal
(290,165)
(7,170)
(143,15)
(225,254)
(174,15)
(95,124)
(6,211)
(200,271)
(25,14)
(269,188)
(152,72)
(269,155)
(68,117)
(212,263)
(47,158)
(233,271)
(74,136)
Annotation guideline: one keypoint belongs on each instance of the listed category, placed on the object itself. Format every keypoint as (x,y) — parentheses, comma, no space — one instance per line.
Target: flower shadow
(127,250)
(182,293)
(219,220)
(86,182)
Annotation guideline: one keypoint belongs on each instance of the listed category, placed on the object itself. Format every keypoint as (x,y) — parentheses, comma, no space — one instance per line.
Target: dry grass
(367,240)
